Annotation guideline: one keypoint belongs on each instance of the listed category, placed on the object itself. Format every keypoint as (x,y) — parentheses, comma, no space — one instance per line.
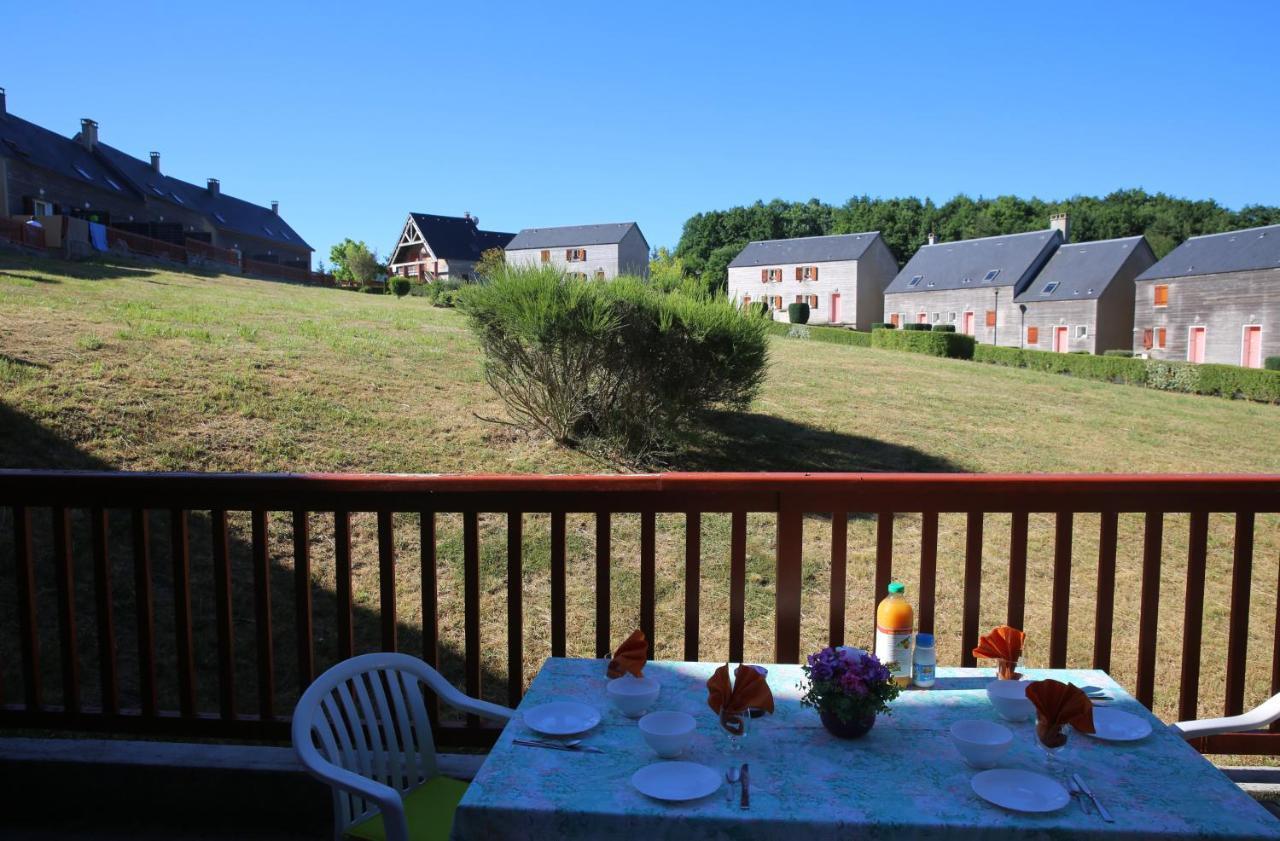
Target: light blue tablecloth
(903,780)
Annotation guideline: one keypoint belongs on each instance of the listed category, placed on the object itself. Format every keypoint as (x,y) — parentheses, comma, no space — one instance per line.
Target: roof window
(176,197)
(113,184)
(991,275)
(156,190)
(220,217)
(915,281)
(1050,287)
(83,172)
(270,232)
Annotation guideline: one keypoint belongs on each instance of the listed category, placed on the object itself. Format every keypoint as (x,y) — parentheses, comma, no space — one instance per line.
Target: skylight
(83,171)
(991,275)
(915,281)
(156,190)
(177,198)
(1050,287)
(220,217)
(270,232)
(113,184)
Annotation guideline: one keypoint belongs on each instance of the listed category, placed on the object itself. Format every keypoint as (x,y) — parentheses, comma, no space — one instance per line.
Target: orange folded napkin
(1004,645)
(630,656)
(749,691)
(1057,705)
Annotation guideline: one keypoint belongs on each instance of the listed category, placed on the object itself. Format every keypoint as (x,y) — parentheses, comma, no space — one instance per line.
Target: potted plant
(848,687)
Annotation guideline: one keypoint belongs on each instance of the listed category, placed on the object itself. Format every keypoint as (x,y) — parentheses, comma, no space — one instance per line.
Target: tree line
(711,240)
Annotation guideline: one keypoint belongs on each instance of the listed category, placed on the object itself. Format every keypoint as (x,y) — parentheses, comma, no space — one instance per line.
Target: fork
(1080,797)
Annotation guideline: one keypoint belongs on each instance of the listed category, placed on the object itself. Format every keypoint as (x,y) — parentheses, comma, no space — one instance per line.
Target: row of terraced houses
(1215,298)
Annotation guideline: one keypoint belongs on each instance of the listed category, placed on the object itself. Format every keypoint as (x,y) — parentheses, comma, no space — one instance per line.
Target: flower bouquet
(848,687)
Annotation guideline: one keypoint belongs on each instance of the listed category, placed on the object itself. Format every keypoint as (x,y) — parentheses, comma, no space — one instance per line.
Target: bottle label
(893,649)
(924,673)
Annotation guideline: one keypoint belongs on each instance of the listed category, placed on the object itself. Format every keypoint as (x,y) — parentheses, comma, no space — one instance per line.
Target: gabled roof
(571,235)
(965,264)
(1233,251)
(1084,270)
(223,211)
(825,249)
(31,144)
(457,238)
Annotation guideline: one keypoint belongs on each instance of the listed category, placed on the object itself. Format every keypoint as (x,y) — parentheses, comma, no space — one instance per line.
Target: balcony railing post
(786,638)
(1148,617)
(972,587)
(26,585)
(1061,598)
(1238,633)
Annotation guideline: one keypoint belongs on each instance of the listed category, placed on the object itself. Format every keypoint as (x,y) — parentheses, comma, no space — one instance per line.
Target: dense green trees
(710,240)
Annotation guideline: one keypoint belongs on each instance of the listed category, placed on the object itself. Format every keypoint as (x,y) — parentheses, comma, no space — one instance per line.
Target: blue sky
(530,114)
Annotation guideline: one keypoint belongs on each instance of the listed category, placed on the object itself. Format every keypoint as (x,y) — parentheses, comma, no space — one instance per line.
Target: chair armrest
(482,708)
(1255,719)
(388,799)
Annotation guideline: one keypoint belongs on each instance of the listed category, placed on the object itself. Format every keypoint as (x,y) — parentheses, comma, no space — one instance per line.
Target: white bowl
(1009,697)
(668,732)
(633,695)
(981,743)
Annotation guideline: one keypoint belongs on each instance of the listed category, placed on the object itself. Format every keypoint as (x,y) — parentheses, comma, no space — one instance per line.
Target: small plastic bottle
(923,665)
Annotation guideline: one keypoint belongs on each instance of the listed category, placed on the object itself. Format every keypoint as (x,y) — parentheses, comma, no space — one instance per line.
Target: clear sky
(544,113)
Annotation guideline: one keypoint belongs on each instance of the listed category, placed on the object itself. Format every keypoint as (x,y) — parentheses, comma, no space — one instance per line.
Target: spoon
(731,777)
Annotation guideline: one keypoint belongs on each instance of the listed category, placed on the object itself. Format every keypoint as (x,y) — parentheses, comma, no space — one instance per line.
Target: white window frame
(40,207)
(1081,331)
(953,318)
(936,318)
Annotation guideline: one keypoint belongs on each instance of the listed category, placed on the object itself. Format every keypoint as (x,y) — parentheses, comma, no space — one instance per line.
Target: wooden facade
(1231,318)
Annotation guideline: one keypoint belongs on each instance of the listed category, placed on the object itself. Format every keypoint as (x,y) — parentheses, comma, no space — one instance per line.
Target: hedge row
(953,345)
(832,335)
(1221,380)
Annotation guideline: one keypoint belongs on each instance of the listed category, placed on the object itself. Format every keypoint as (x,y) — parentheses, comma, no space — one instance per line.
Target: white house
(600,252)
(842,277)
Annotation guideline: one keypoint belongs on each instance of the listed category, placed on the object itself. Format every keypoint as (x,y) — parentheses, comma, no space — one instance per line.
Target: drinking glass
(1054,761)
(736,725)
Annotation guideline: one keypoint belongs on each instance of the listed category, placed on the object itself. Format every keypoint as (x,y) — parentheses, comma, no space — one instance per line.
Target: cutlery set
(572,746)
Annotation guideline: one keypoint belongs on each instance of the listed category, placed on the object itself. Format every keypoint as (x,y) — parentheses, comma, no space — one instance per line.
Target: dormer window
(1050,287)
(991,275)
(915,281)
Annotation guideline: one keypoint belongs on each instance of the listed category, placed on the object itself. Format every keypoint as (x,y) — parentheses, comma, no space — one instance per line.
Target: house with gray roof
(1214,298)
(441,247)
(841,277)
(44,173)
(1082,300)
(973,283)
(599,252)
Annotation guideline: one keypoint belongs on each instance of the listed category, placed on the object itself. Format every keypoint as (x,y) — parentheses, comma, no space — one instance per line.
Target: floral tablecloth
(902,780)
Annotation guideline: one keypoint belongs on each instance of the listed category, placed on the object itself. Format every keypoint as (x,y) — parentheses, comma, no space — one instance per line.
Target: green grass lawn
(143,369)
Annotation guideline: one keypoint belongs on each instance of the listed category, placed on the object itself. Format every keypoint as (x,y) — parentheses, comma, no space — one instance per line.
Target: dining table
(904,779)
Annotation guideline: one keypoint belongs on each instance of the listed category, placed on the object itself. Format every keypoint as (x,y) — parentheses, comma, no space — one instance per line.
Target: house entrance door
(1251,356)
(1060,339)
(968,324)
(1195,345)
(835,308)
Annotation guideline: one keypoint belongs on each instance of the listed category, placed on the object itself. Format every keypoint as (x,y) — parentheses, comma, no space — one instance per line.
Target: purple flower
(852,684)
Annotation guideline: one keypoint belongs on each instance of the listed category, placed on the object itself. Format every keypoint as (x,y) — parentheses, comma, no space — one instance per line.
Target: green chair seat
(428,809)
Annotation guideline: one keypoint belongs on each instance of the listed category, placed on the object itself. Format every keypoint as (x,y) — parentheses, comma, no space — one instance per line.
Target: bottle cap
(924,640)
(896,587)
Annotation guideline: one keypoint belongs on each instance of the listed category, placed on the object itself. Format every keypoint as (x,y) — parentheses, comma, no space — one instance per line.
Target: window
(771,275)
(991,275)
(937,317)
(915,280)
(777,302)
(113,184)
(991,318)
(746,300)
(1082,331)
(599,274)
(1161,294)
(575,255)
(801,299)
(546,256)
(951,318)
(1160,336)
(1033,335)
(806,272)
(270,232)
(1050,287)
(895,320)
(156,190)
(413,270)
(41,208)
(578,275)
(177,198)
(83,172)
(813,302)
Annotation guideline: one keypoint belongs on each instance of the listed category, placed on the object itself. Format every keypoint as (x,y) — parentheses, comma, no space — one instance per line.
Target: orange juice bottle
(895,623)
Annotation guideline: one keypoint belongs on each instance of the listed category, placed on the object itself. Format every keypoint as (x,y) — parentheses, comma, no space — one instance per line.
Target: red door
(1195,345)
(968,324)
(834,318)
(922,318)
(1060,339)
(1251,355)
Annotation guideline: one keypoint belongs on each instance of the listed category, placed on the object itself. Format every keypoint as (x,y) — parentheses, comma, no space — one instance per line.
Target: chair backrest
(367,715)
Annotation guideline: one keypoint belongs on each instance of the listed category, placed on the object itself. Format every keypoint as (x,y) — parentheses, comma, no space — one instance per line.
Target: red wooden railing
(139,244)
(21,233)
(260,267)
(213,252)
(788,498)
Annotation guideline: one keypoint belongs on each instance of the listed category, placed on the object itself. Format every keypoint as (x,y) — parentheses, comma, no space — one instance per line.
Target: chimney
(275,208)
(933,238)
(1062,223)
(214,186)
(2,106)
(466,214)
(155,161)
(88,133)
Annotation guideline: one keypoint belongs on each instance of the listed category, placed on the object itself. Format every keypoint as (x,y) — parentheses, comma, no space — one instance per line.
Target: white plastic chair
(362,728)
(1255,719)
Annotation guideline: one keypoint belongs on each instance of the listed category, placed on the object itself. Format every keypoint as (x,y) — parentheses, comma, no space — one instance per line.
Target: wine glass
(1054,753)
(736,724)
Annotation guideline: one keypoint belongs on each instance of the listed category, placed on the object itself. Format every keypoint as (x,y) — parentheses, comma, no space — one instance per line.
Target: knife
(746,786)
(1102,810)
(529,743)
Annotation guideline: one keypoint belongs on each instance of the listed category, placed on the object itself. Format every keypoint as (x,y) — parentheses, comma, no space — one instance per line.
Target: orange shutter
(1033,335)
(546,256)
(893,319)
(1162,296)
(764,275)
(814,273)
(799,273)
(1160,334)
(813,301)
(991,318)
(1147,339)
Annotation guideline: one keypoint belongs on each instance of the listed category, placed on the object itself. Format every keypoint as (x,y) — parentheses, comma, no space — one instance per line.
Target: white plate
(676,780)
(1021,791)
(561,718)
(1118,726)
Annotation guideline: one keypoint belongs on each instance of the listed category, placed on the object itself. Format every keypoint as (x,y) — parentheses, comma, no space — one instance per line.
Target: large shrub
(944,328)
(1232,381)
(1271,363)
(798,313)
(620,364)
(883,325)
(400,286)
(915,325)
(954,345)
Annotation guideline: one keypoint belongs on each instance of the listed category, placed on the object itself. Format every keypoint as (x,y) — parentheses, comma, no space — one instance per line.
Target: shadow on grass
(26,443)
(80,270)
(751,442)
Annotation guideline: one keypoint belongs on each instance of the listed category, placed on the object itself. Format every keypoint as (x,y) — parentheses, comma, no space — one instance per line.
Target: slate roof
(224,211)
(457,238)
(37,146)
(964,264)
(1233,251)
(571,235)
(1084,270)
(825,249)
